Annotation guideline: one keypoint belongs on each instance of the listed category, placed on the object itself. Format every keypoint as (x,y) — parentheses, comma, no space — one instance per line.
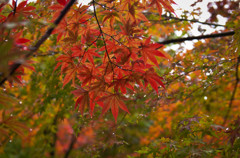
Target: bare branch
(215,35)
(191,20)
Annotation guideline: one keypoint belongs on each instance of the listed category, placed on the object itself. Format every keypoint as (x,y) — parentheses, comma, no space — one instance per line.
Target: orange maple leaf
(165,3)
(149,51)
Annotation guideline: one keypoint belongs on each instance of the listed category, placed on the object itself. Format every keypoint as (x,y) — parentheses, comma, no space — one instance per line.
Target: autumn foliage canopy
(65,65)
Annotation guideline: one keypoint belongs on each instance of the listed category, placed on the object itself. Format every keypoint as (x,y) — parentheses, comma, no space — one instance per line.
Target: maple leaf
(83,100)
(17,75)
(72,37)
(151,77)
(22,8)
(87,74)
(71,72)
(129,27)
(122,83)
(65,60)
(63,2)
(80,17)
(113,101)
(89,35)
(149,51)
(165,3)
(13,124)
(111,15)
(68,67)
(87,54)
(98,88)
(134,10)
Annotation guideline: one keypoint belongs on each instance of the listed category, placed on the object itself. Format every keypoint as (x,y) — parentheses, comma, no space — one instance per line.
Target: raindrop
(10,140)
(20,102)
(207,73)
(137,85)
(171,72)
(188,77)
(182,73)
(205,97)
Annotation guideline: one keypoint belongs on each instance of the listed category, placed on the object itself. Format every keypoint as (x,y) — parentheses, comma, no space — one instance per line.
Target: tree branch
(15,8)
(181,19)
(191,20)
(73,141)
(40,42)
(233,93)
(178,40)
(53,143)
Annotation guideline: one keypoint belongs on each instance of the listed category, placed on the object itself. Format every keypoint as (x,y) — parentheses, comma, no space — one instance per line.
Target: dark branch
(40,42)
(73,141)
(178,40)
(191,20)
(233,93)
(15,8)
(53,143)
(165,18)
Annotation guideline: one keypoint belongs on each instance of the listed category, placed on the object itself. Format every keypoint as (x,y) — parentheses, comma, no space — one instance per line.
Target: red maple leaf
(151,77)
(83,100)
(113,101)
(21,9)
(87,74)
(63,2)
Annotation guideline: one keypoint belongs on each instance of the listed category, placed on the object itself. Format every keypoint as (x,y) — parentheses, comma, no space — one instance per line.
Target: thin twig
(41,41)
(101,31)
(116,40)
